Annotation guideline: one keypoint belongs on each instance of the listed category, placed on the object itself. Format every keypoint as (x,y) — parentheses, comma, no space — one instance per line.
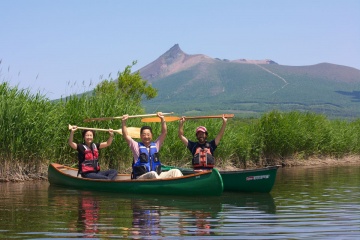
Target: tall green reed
(35,131)
(23,123)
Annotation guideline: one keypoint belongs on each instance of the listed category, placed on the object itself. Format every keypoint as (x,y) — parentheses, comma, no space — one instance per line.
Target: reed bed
(34,132)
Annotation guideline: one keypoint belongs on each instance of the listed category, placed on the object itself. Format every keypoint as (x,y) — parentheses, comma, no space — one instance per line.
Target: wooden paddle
(132,116)
(173,118)
(134,132)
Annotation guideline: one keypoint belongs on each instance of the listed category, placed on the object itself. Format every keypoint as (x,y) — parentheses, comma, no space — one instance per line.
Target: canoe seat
(123,177)
(71,173)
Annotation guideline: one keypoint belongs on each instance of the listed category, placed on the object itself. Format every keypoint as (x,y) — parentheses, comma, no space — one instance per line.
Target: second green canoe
(253,180)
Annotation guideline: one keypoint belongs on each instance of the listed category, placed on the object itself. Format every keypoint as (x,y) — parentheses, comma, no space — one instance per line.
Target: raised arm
(221,132)
(71,138)
(109,141)
(125,134)
(163,127)
(181,131)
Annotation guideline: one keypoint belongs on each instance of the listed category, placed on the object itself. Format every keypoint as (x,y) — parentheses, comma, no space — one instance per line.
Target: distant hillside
(198,84)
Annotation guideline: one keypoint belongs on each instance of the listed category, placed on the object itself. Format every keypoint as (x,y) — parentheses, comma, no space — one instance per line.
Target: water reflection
(108,214)
(261,202)
(146,219)
(187,216)
(88,215)
(84,203)
(313,203)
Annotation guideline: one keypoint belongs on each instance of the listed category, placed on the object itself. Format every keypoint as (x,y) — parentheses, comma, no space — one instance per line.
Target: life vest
(91,162)
(203,159)
(147,161)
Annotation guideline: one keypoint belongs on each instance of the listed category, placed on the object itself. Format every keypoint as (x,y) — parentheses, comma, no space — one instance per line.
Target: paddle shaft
(134,132)
(131,116)
(171,118)
(95,129)
(216,116)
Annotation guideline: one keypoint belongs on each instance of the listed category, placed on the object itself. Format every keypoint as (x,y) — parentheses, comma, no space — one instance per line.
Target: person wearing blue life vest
(146,160)
(202,150)
(88,155)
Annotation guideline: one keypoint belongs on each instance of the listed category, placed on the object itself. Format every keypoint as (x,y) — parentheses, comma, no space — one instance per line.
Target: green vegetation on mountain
(249,90)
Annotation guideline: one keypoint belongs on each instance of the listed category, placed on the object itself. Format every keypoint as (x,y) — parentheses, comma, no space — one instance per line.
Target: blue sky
(65,47)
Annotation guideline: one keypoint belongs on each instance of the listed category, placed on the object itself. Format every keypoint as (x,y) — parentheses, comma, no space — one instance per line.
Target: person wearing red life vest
(88,155)
(202,150)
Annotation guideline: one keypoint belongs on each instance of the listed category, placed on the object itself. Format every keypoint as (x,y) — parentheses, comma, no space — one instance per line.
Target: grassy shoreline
(34,132)
(21,172)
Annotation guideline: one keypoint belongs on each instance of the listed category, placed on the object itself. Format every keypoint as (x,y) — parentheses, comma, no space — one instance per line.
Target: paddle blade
(134,132)
(157,119)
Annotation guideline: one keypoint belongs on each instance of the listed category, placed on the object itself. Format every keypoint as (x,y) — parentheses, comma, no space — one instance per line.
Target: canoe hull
(196,184)
(259,180)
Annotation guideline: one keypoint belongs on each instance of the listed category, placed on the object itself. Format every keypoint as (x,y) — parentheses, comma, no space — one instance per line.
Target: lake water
(305,203)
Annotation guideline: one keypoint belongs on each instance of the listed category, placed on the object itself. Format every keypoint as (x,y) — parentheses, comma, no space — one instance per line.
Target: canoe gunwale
(249,170)
(57,166)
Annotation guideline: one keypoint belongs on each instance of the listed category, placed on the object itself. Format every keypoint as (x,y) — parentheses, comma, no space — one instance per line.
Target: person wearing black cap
(202,150)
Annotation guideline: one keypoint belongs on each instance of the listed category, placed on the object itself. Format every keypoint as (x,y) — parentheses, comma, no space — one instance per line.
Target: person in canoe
(202,150)
(146,162)
(88,154)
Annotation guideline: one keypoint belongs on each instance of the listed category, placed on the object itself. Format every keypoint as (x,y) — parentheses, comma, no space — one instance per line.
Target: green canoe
(205,183)
(249,180)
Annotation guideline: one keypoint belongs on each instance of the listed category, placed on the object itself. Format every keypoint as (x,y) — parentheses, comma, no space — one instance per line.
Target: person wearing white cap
(202,150)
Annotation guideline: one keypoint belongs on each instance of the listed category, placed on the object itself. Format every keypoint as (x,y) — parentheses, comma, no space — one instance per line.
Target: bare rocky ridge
(175,60)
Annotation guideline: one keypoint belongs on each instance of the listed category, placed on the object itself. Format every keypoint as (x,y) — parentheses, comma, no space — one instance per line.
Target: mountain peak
(174,50)
(173,60)
(172,54)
